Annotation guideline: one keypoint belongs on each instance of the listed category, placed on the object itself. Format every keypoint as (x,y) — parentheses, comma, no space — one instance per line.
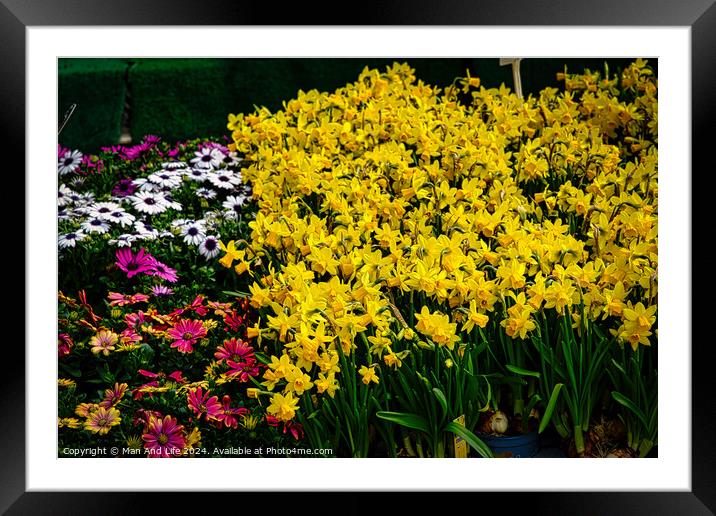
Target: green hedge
(185,98)
(98,87)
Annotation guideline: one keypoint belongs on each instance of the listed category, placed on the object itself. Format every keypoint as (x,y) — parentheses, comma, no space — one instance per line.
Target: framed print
(265,243)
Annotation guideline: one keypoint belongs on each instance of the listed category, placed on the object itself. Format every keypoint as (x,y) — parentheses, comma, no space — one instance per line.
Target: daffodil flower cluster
(392,214)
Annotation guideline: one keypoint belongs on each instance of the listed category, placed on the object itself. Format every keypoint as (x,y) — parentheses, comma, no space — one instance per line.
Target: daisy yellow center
(163,439)
(187,335)
(102,422)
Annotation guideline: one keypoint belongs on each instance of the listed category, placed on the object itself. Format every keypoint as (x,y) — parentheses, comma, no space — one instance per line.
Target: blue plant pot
(518,446)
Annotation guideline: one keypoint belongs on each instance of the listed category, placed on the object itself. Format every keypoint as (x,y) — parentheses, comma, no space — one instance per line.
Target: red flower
(233,321)
(296,429)
(242,371)
(142,417)
(228,414)
(64,344)
(200,310)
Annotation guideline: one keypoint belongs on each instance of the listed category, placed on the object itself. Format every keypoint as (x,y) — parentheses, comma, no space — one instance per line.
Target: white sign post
(516,79)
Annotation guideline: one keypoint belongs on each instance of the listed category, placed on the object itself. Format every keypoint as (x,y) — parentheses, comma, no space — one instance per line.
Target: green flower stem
(578,439)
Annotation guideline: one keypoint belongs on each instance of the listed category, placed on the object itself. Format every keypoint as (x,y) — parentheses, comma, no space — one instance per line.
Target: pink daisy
(185,334)
(164,437)
(228,415)
(114,395)
(200,403)
(129,336)
(117,299)
(135,320)
(234,349)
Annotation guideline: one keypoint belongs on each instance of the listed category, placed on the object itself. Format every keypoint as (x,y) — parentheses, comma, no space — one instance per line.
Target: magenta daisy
(200,403)
(164,437)
(163,271)
(229,415)
(134,264)
(185,334)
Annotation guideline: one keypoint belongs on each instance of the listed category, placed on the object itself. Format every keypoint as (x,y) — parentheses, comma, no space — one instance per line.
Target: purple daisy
(124,188)
(162,271)
(134,264)
(161,291)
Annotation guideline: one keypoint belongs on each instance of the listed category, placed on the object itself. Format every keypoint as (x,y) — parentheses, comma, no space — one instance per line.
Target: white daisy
(102,209)
(121,217)
(70,239)
(231,160)
(81,211)
(196,174)
(69,162)
(205,193)
(123,240)
(144,185)
(171,203)
(178,223)
(233,205)
(77,181)
(225,179)
(193,233)
(87,197)
(207,158)
(165,179)
(63,195)
(174,165)
(145,230)
(148,202)
(63,214)
(95,225)
(74,197)
(212,219)
(209,247)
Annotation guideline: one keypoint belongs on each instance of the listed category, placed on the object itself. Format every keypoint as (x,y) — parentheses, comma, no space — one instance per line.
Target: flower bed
(413,265)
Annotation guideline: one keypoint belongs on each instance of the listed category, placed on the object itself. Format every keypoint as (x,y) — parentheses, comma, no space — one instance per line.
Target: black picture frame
(17,15)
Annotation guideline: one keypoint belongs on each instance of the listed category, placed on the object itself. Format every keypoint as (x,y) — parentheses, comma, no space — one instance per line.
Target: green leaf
(236,294)
(620,398)
(441,398)
(547,416)
(519,370)
(413,421)
(471,439)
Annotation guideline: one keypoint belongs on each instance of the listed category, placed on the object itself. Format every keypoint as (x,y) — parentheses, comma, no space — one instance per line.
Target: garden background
(189,98)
